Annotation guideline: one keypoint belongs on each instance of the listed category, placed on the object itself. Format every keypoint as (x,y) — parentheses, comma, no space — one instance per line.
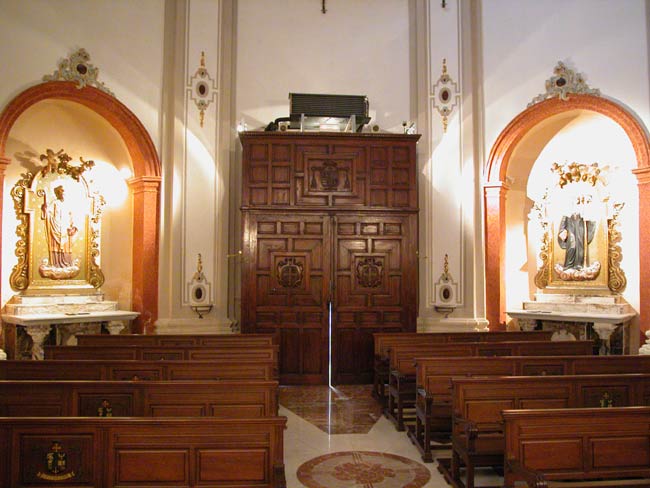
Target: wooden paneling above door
(330,247)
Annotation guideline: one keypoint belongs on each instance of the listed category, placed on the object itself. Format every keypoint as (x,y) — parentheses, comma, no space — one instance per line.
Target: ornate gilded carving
(616,280)
(290,273)
(370,272)
(590,174)
(56,461)
(539,210)
(78,69)
(564,82)
(46,254)
(19,278)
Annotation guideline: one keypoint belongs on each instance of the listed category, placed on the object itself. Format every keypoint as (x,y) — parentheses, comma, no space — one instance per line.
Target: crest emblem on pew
(606,401)
(105,409)
(57,464)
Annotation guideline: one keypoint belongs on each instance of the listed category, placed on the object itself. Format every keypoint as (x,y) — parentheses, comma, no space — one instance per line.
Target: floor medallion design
(362,469)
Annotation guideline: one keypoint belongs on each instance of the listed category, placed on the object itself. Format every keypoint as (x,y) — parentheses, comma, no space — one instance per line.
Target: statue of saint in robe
(60,230)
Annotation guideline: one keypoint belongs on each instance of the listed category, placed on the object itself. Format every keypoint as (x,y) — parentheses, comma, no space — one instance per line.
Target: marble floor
(324,420)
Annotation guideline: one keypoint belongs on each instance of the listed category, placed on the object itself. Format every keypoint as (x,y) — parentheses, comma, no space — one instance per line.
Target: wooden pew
(212,340)
(402,387)
(120,452)
(224,399)
(216,369)
(607,446)
(384,341)
(168,353)
(433,375)
(478,436)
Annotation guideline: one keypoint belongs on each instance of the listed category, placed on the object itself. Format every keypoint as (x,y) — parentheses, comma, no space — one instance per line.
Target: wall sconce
(200,291)
(446,291)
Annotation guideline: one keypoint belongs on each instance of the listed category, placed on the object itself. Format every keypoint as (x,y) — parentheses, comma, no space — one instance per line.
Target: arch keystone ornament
(564,82)
(78,69)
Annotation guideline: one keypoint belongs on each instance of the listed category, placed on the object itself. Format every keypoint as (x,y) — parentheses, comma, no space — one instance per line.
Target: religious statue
(60,229)
(575,233)
(578,219)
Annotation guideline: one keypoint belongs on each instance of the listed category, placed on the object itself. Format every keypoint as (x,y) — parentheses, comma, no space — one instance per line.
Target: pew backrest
(402,357)
(433,373)
(212,340)
(383,341)
(217,369)
(481,400)
(169,353)
(112,452)
(578,444)
(224,399)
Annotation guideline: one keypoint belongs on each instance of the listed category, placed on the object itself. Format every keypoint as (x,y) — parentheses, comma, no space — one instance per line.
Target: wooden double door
(329,258)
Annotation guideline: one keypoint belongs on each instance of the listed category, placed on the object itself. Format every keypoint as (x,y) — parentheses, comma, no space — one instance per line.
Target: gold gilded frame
(604,247)
(29,191)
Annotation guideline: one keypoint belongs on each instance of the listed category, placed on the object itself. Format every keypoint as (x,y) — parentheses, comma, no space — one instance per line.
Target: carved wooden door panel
(287,263)
(375,277)
(329,219)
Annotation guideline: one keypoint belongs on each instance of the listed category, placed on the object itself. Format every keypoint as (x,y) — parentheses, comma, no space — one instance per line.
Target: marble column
(38,333)
(604,331)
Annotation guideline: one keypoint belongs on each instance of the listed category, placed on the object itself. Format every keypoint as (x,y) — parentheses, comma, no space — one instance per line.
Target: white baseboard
(432,324)
(193,326)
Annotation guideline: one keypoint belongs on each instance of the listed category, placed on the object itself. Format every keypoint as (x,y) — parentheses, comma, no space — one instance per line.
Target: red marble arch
(145,184)
(495,190)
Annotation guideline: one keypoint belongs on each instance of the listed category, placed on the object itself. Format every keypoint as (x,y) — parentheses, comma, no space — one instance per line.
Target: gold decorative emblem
(329,175)
(370,272)
(290,273)
(105,409)
(58,227)
(56,463)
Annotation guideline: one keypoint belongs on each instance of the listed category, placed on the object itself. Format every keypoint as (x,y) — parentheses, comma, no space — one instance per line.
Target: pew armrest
(533,479)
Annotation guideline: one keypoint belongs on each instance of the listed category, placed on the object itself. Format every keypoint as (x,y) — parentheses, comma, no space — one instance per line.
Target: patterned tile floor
(322,421)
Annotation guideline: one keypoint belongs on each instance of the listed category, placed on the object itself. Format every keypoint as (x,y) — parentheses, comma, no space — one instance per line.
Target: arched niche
(497,187)
(144,185)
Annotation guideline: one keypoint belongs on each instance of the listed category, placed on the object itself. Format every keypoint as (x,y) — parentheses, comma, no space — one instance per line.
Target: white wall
(605,40)
(124,39)
(358,47)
